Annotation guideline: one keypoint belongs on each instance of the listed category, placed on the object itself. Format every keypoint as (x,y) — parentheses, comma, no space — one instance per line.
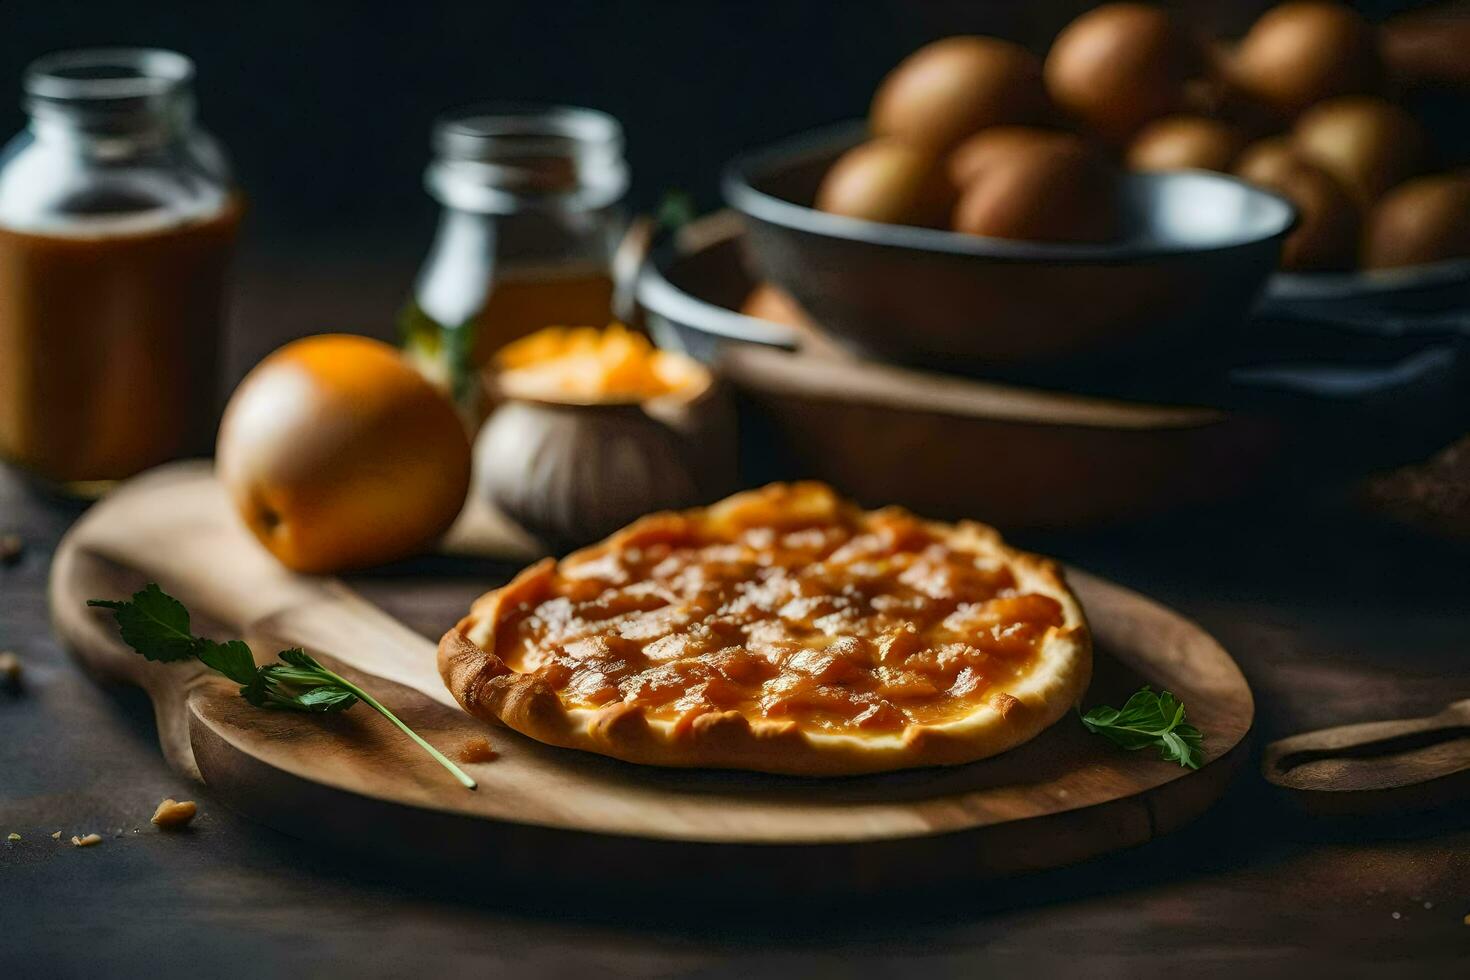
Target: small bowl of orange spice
(595,427)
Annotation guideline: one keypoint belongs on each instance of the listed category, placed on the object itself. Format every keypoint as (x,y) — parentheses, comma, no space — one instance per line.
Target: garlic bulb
(573,474)
(597,428)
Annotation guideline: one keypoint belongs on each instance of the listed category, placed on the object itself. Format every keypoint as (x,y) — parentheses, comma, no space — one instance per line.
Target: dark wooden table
(1334,616)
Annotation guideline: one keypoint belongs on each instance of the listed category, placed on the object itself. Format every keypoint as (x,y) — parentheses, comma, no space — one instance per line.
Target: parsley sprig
(156,625)
(1148,719)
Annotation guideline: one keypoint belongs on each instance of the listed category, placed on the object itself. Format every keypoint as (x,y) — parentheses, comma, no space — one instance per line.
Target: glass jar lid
(110,90)
(504,158)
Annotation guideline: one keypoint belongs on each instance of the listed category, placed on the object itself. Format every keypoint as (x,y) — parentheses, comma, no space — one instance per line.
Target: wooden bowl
(1307,404)
(951,447)
(1195,255)
(941,445)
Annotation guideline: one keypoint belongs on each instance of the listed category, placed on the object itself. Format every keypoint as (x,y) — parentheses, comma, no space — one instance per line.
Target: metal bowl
(1196,252)
(690,286)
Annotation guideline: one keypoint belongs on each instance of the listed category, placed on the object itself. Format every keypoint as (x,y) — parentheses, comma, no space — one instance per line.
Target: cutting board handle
(92,635)
(232,587)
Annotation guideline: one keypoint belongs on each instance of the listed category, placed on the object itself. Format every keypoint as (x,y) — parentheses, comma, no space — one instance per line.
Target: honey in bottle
(117,223)
(531,216)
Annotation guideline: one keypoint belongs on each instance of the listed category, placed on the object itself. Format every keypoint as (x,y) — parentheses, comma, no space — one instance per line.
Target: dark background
(325,108)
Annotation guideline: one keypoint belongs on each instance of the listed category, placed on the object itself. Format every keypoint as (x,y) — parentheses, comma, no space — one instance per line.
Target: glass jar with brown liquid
(117,221)
(532,200)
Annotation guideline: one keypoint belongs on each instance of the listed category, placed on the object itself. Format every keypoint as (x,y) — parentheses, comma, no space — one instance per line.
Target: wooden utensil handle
(1377,765)
(1372,737)
(1406,739)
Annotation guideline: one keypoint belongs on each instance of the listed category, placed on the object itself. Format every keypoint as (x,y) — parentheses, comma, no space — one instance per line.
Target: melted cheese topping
(870,624)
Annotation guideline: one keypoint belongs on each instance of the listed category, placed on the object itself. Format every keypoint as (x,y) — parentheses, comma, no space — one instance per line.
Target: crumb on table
(477,750)
(86,841)
(173,814)
(9,670)
(12,837)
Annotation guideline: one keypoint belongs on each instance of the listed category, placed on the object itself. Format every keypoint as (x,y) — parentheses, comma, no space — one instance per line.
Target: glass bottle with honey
(532,213)
(117,222)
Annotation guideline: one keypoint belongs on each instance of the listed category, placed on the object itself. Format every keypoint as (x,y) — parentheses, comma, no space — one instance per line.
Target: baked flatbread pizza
(782,630)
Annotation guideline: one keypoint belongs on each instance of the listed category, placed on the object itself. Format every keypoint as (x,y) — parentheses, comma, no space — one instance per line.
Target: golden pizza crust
(490,690)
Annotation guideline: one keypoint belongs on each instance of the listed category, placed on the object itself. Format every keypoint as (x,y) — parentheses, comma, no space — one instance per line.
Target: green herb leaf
(233,659)
(156,625)
(326,699)
(298,684)
(1148,719)
(675,210)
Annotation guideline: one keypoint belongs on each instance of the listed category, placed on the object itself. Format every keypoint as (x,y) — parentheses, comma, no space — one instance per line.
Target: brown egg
(1266,161)
(1368,144)
(947,90)
(1328,221)
(885,180)
(1185,143)
(978,152)
(1042,193)
(1119,66)
(1426,219)
(1300,53)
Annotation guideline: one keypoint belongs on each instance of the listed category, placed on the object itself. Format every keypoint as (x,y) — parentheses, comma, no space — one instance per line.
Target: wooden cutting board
(544,814)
